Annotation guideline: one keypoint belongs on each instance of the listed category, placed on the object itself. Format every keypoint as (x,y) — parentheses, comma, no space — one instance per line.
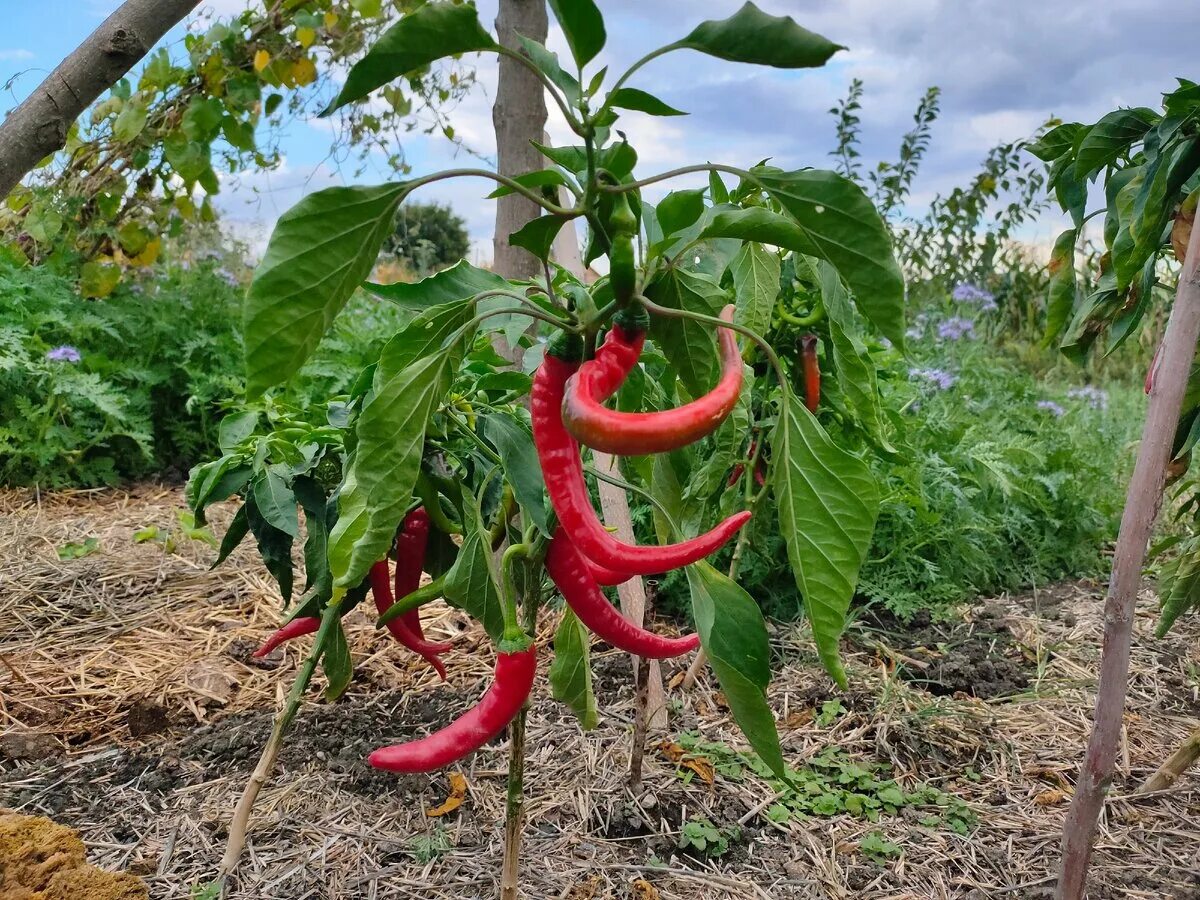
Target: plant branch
(546,83)
(515,185)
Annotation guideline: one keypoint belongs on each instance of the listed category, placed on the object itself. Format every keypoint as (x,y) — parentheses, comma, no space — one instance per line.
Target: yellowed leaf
(304,71)
(458,793)
(262,59)
(585,890)
(644,890)
(697,764)
(1052,797)
(148,255)
(331,19)
(305,37)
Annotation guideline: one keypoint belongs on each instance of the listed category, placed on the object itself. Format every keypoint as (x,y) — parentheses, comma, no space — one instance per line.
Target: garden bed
(129,696)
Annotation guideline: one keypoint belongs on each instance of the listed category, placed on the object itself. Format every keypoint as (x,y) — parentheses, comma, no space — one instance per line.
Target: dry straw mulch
(127,691)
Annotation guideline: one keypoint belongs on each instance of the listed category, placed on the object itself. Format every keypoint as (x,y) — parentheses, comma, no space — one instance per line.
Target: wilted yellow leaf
(261,60)
(331,19)
(304,71)
(458,793)
(1051,797)
(644,890)
(305,37)
(148,255)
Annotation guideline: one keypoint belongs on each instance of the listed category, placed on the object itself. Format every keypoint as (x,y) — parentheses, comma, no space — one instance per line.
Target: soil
(41,860)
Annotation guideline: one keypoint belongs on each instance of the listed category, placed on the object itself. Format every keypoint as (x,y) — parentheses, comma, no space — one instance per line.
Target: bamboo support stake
(1180,761)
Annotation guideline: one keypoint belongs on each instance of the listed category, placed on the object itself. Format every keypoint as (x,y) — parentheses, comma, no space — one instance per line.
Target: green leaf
(202,119)
(571,672)
(583,27)
(548,63)
(752,36)
(828,501)
(831,218)
(239,526)
(215,481)
(98,279)
(471,583)
(755,272)
(1179,587)
(538,179)
(320,251)
(1060,296)
(855,371)
(734,636)
(130,122)
(319,514)
(537,235)
(336,661)
(689,346)
(678,210)
(1055,142)
(632,98)
(432,32)
(459,282)
(274,546)
(275,500)
(1110,138)
(514,443)
(412,376)
(235,428)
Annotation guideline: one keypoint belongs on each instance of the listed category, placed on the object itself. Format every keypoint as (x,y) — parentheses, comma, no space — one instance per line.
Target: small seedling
(428,847)
(875,848)
(706,838)
(79,549)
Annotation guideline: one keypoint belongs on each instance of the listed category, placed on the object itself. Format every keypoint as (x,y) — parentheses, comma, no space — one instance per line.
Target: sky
(1003,68)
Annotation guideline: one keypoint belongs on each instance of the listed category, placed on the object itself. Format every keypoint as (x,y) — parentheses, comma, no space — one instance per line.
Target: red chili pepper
(293,629)
(473,729)
(562,469)
(411,543)
(760,477)
(639,433)
(812,372)
(381,588)
(605,576)
(570,574)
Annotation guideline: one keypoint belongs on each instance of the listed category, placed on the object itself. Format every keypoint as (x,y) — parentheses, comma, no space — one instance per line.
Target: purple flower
(954,328)
(914,334)
(938,378)
(228,277)
(1051,407)
(65,353)
(1093,396)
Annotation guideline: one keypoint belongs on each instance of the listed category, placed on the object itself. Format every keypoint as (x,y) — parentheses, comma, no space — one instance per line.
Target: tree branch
(38,127)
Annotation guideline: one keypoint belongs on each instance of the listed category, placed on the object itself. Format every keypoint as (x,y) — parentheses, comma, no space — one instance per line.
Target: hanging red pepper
(562,469)
(812,372)
(411,543)
(635,434)
(293,629)
(605,576)
(470,731)
(381,589)
(760,477)
(571,575)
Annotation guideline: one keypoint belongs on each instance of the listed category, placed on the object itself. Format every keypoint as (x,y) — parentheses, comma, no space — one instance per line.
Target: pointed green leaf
(547,62)
(432,32)
(239,527)
(1060,296)
(755,272)
(460,281)
(752,36)
(276,502)
(583,27)
(571,672)
(274,546)
(471,583)
(537,235)
(1110,138)
(830,218)
(514,442)
(412,376)
(336,662)
(734,636)
(689,346)
(828,501)
(1055,142)
(319,514)
(678,210)
(1179,589)
(320,251)
(539,179)
(640,101)
(235,428)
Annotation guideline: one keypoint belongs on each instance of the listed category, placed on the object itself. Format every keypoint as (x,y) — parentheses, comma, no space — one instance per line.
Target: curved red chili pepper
(381,589)
(570,574)
(293,629)
(605,576)
(812,372)
(639,433)
(411,543)
(562,469)
(474,728)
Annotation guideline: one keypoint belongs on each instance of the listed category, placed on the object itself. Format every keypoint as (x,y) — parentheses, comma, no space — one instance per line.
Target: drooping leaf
(583,27)
(1180,587)
(1110,138)
(514,443)
(235,428)
(319,514)
(828,501)
(830,218)
(734,636)
(689,346)
(239,527)
(640,101)
(547,62)
(336,662)
(432,32)
(471,583)
(320,251)
(1060,295)
(537,235)
(458,282)
(571,672)
(274,546)
(752,36)
(678,210)
(215,481)
(755,272)
(275,500)
(412,376)
(1055,142)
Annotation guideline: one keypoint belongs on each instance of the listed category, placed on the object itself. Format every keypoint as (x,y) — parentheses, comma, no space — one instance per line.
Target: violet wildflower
(1091,395)
(965,292)
(65,353)
(938,378)
(954,328)
(1051,407)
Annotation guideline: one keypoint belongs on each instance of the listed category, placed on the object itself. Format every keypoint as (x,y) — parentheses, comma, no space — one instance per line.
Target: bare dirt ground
(132,711)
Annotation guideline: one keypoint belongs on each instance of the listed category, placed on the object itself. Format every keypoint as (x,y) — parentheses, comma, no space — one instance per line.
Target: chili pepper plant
(451,458)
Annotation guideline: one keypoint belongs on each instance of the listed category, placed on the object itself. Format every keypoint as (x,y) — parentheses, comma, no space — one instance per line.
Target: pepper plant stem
(266,762)
(1142,503)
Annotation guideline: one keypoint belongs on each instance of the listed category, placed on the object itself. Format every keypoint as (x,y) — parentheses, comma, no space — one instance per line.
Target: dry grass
(83,642)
